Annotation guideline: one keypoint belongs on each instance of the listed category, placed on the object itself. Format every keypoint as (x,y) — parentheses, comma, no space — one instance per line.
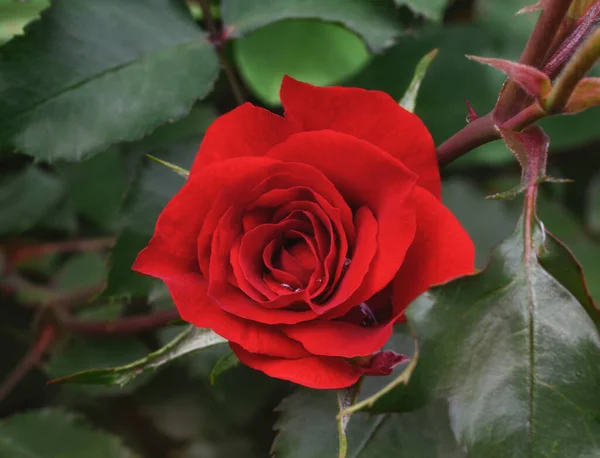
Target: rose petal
(313,372)
(369,115)
(338,338)
(441,251)
(245,131)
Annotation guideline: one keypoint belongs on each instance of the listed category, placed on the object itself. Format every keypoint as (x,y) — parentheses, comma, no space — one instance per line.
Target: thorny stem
(534,54)
(486,128)
(476,133)
(217,38)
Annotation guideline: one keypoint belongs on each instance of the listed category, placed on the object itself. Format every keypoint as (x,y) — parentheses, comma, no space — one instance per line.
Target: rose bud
(301,239)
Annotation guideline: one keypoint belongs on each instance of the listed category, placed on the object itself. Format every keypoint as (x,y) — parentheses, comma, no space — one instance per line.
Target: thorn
(472,116)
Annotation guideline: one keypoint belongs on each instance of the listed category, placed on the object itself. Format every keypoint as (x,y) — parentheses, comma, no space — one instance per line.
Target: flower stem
(534,54)
(478,132)
(217,38)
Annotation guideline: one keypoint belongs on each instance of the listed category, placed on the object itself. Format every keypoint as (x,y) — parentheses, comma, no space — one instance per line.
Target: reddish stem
(24,253)
(218,40)
(126,325)
(44,341)
(476,133)
(524,118)
(534,55)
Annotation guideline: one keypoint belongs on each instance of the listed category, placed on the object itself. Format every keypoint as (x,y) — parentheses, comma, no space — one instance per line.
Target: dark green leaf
(56,434)
(431,9)
(307,428)
(26,197)
(96,187)
(559,262)
(112,71)
(515,355)
(192,339)
(561,222)
(227,362)
(315,52)
(122,281)
(373,20)
(79,354)
(80,271)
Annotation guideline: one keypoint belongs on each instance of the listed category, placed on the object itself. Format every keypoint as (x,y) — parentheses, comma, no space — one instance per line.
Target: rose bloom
(302,239)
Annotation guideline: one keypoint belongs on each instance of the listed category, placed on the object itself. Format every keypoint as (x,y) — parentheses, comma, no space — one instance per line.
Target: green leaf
(190,340)
(14,16)
(315,52)
(409,99)
(374,21)
(96,187)
(431,9)
(80,271)
(513,352)
(307,428)
(561,222)
(26,197)
(122,281)
(225,363)
(79,354)
(56,434)
(108,75)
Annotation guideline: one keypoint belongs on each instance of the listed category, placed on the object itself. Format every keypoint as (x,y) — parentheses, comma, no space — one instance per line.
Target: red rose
(302,239)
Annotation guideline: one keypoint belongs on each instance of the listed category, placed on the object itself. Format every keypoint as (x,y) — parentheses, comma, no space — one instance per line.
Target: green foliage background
(88,88)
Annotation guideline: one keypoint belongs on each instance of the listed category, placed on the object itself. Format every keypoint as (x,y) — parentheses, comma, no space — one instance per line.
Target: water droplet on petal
(286,286)
(296,290)
(347,262)
(319,280)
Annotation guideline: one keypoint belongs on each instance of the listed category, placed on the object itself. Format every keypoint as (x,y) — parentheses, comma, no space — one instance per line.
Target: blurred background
(93,87)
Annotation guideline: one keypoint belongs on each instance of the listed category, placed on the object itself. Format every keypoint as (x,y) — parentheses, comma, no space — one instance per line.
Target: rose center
(296,258)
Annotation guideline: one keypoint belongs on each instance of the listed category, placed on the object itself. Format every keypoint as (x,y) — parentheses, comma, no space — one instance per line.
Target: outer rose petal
(369,115)
(338,338)
(441,251)
(245,131)
(318,372)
